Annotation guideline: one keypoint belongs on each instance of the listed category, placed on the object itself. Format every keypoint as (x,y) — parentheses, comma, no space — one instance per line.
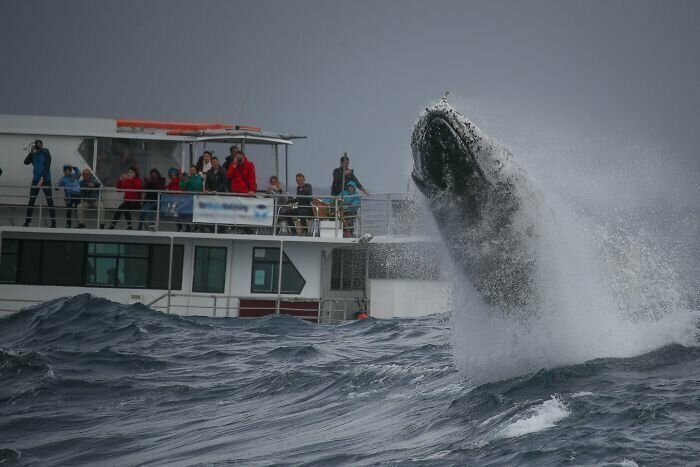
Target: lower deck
(216,275)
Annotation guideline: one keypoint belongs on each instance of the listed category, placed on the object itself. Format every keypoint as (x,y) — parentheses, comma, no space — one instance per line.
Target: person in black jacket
(150,199)
(300,206)
(215,179)
(342,175)
(40,158)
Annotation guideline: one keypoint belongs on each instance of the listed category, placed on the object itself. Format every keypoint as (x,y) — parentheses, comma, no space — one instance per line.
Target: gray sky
(354,75)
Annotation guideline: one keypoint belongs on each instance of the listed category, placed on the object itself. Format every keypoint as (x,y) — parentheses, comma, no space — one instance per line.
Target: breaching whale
(483,204)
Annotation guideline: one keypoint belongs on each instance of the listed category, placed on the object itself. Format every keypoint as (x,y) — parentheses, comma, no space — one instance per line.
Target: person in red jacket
(132,198)
(241,173)
(174,180)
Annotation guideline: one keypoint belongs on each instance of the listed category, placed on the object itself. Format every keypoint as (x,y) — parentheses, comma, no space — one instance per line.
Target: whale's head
(446,159)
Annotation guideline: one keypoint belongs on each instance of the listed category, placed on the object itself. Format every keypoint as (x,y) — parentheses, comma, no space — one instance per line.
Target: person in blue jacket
(350,207)
(40,158)
(71,189)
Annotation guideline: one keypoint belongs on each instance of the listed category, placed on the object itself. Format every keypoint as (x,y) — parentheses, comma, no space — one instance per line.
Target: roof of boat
(139,129)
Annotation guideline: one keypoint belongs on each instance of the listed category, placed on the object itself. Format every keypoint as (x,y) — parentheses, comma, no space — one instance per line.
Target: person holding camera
(344,174)
(40,158)
(130,183)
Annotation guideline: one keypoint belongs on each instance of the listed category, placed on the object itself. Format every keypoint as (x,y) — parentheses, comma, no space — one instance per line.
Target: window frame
(286,261)
(194,268)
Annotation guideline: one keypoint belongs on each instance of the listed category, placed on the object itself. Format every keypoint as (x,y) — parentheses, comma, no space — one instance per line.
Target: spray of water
(609,288)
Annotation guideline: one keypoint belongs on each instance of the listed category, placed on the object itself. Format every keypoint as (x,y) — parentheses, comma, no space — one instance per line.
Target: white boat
(242,261)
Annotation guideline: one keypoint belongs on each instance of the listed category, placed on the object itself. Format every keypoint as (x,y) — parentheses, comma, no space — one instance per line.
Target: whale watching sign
(233,210)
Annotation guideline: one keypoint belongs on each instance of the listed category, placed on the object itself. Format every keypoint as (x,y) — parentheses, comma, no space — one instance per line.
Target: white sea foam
(541,417)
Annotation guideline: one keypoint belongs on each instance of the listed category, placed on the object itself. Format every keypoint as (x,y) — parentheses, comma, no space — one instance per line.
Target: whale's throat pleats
(446,159)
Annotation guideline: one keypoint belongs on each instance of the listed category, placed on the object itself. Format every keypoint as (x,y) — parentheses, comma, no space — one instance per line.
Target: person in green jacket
(193,181)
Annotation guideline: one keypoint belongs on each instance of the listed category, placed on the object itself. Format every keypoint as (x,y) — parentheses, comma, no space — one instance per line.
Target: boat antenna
(240,109)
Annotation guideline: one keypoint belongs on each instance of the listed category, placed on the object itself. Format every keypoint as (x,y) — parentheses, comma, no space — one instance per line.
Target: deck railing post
(170,271)
(40,203)
(279,278)
(338,220)
(158,212)
(99,203)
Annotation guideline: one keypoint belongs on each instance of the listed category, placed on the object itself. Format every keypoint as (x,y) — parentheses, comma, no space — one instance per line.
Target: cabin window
(80,264)
(209,269)
(9,261)
(62,263)
(117,265)
(265,273)
(116,155)
(29,260)
(348,269)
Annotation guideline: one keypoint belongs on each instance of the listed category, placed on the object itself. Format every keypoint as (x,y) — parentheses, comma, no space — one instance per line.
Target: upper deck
(108,147)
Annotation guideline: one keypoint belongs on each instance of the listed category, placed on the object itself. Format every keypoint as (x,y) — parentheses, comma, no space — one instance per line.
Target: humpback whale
(485,208)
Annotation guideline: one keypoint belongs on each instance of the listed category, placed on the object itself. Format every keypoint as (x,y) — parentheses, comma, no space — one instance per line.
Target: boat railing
(324,311)
(378,214)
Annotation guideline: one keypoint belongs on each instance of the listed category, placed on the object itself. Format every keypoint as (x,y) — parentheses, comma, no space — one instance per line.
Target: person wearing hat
(342,175)
(71,190)
(40,158)
(350,207)
(229,159)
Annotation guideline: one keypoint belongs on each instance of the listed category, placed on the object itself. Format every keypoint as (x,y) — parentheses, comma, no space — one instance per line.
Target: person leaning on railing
(215,178)
(241,173)
(90,198)
(154,183)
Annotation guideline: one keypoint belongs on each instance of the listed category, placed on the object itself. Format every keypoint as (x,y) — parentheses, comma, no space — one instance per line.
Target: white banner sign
(233,210)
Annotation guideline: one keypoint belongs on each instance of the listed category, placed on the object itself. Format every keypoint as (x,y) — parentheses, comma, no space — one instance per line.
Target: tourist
(90,198)
(300,206)
(204,163)
(174,185)
(215,179)
(241,173)
(173,180)
(350,207)
(71,190)
(130,182)
(229,159)
(40,158)
(274,186)
(156,183)
(192,182)
(342,175)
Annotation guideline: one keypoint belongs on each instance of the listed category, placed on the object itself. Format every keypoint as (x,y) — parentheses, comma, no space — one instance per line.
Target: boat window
(348,269)
(117,265)
(78,264)
(266,272)
(62,263)
(209,269)
(87,150)
(29,259)
(9,260)
(160,262)
(116,155)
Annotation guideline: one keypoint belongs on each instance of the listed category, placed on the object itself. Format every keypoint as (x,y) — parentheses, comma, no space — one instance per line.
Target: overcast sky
(353,76)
